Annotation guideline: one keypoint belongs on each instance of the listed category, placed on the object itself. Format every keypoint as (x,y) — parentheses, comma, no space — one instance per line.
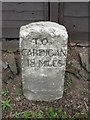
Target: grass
(56,114)
(5,92)
(5,104)
(51,113)
(16,115)
(26,115)
(40,114)
(61,113)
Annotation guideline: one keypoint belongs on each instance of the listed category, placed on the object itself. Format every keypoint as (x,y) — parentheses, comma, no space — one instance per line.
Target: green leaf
(5,93)
(51,113)
(5,104)
(64,115)
(26,114)
(16,115)
(60,110)
(40,114)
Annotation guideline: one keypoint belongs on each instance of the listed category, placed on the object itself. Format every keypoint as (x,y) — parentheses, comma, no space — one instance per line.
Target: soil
(74,101)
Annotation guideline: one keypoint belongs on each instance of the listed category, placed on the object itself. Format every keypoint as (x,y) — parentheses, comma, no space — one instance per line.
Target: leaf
(52,113)
(64,115)
(16,114)
(60,110)
(26,114)
(5,93)
(5,104)
(40,114)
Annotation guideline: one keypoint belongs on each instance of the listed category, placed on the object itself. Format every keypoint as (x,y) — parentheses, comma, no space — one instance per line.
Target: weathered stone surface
(84,61)
(18,62)
(76,64)
(10,59)
(3,64)
(84,44)
(10,46)
(43,47)
(6,75)
(84,75)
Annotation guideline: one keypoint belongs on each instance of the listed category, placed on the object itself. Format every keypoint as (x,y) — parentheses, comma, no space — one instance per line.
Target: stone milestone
(43,49)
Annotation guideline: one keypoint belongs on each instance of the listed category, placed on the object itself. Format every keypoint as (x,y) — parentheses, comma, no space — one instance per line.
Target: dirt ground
(74,101)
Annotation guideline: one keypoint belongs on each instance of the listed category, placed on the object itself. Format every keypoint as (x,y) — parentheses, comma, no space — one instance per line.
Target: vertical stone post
(43,48)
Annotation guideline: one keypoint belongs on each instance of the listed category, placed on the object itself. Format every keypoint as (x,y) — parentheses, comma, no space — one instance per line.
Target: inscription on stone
(43,47)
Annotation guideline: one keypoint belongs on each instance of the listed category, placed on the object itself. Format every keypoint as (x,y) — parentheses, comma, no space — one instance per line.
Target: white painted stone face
(43,48)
